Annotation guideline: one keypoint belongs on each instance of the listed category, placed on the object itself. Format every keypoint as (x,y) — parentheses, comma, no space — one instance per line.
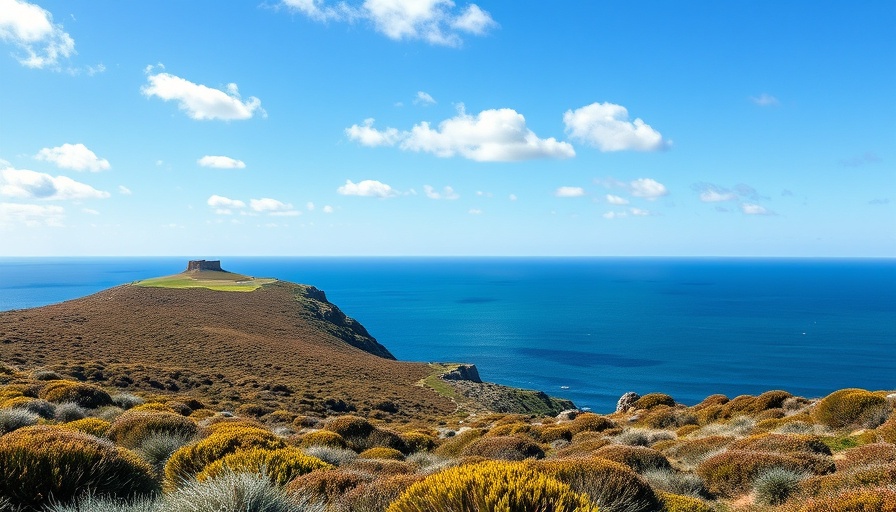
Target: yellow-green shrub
(751,405)
(41,463)
(152,406)
(590,422)
(349,426)
(280,416)
(551,433)
(610,485)
(504,448)
(381,467)
(85,395)
(874,474)
(651,400)
(693,451)
(732,472)
(323,438)
(381,452)
(93,426)
(189,460)
(327,485)
(418,442)
(453,446)
(281,465)
(132,427)
(253,410)
(679,503)
(877,453)
(491,486)
(852,407)
(711,400)
(782,443)
(854,500)
(639,458)
(378,494)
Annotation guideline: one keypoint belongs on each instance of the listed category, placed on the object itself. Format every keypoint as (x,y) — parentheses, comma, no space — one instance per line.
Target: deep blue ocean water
(584,329)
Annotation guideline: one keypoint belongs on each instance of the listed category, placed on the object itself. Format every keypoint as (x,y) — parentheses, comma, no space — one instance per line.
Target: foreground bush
(280,466)
(610,485)
(854,500)
(235,492)
(85,395)
(504,448)
(678,503)
(326,486)
(39,463)
(852,407)
(774,486)
(491,486)
(732,472)
(639,458)
(189,460)
(132,427)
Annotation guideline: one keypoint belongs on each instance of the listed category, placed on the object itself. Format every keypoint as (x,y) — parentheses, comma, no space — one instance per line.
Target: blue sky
(431,127)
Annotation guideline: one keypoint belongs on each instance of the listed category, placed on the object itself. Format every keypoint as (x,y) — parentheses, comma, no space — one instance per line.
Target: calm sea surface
(584,329)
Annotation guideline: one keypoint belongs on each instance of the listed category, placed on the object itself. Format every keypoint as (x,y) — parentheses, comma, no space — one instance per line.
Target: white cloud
(225,205)
(424,98)
(474,20)
(271,206)
(221,162)
(23,183)
(512,197)
(367,135)
(765,100)
(616,199)
(30,28)
(716,196)
(569,192)
(309,206)
(366,188)
(497,135)
(614,215)
(31,215)
(123,190)
(201,102)
(474,211)
(755,209)
(638,212)
(446,193)
(73,156)
(328,209)
(648,188)
(607,126)
(90,211)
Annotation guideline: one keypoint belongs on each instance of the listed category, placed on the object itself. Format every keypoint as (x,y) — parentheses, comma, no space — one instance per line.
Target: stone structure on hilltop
(205,265)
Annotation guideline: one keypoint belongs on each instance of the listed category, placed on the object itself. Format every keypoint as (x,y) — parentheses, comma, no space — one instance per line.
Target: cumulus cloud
(123,190)
(712,193)
(31,215)
(424,98)
(639,212)
(199,101)
(765,100)
(446,193)
(23,183)
(328,209)
(30,28)
(221,162)
(616,199)
(225,205)
(497,135)
(607,126)
(437,22)
(755,209)
(366,188)
(569,192)
(648,188)
(614,215)
(273,207)
(73,156)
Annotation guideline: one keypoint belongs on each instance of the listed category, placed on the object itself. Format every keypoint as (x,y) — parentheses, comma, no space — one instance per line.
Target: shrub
(331,455)
(157,447)
(691,452)
(132,427)
(732,472)
(381,452)
(751,405)
(253,410)
(675,482)
(782,443)
(429,463)
(93,426)
(612,486)
(323,438)
(590,422)
(852,407)
(876,474)
(126,400)
(418,442)
(381,467)
(854,500)
(92,503)
(877,453)
(85,395)
(42,408)
(639,458)
(643,437)
(13,419)
(775,485)
(189,460)
(235,492)
(152,406)
(375,496)
(490,486)
(678,503)
(76,461)
(350,426)
(453,446)
(710,401)
(280,416)
(327,485)
(651,400)
(281,466)
(69,411)
(504,448)
(661,417)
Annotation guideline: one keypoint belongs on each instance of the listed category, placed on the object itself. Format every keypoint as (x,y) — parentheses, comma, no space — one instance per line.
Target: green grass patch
(841,443)
(434,382)
(219,281)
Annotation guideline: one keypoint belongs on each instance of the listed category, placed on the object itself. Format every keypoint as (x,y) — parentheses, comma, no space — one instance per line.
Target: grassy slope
(218,281)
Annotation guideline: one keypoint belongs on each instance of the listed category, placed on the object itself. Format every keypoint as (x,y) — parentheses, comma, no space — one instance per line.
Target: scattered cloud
(638,212)
(755,209)
(569,192)
(607,127)
(199,101)
(90,211)
(712,193)
(23,183)
(225,205)
(861,160)
(273,207)
(614,215)
(31,215)
(765,100)
(437,22)
(881,201)
(497,135)
(309,206)
(367,188)
(73,156)
(787,193)
(446,193)
(474,211)
(648,188)
(30,28)
(512,197)
(221,162)
(123,190)
(328,209)
(424,98)
(616,199)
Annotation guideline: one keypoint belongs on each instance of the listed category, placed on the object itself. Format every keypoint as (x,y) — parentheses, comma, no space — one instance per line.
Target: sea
(586,329)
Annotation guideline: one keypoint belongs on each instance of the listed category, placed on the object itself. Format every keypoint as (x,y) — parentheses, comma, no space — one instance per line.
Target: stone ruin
(205,265)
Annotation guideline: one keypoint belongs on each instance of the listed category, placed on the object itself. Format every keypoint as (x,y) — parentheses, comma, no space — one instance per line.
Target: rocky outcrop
(463,372)
(627,401)
(212,265)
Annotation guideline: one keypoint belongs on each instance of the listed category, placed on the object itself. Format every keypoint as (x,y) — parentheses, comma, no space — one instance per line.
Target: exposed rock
(627,401)
(486,396)
(338,324)
(463,372)
(568,415)
(213,265)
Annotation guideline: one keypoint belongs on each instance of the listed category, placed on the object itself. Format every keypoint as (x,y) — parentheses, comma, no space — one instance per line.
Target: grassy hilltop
(173,394)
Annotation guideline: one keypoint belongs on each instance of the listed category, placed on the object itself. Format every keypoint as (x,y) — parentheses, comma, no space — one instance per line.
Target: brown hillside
(281,346)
